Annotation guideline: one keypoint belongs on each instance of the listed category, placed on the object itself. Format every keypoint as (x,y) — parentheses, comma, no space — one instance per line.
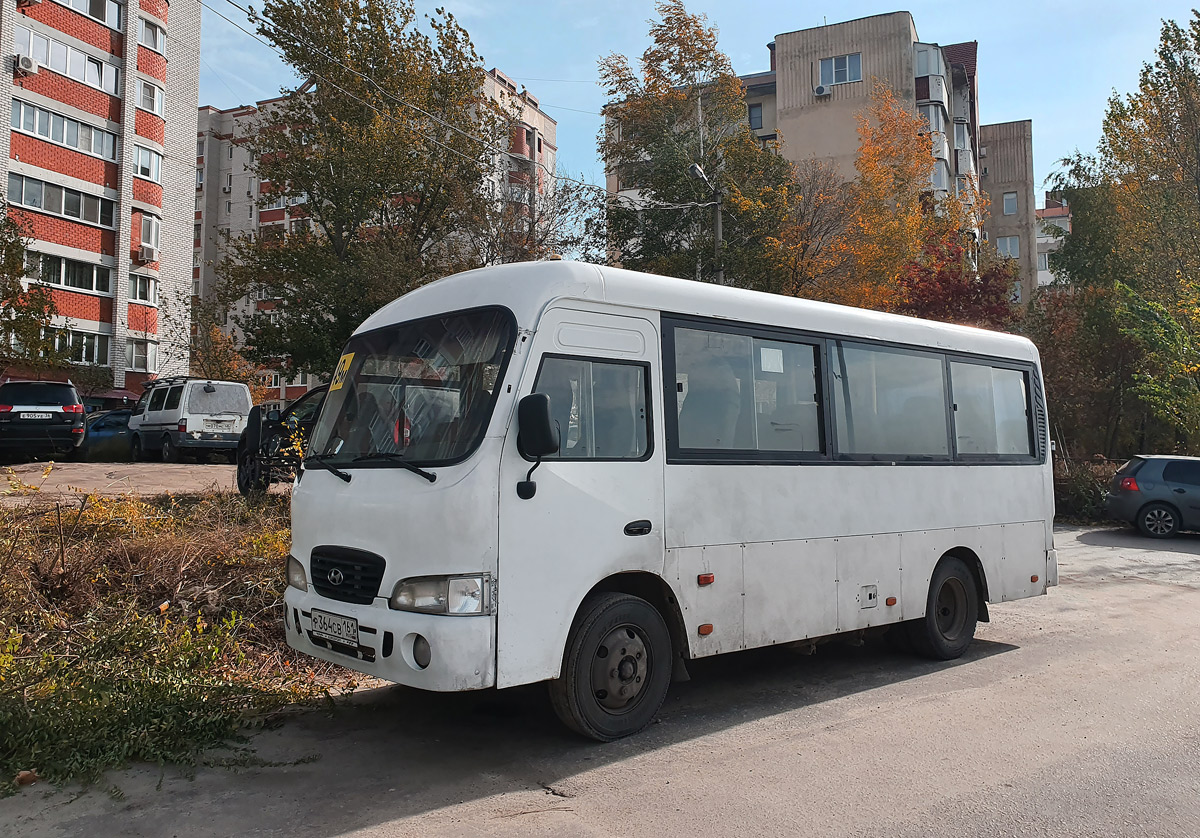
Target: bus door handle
(642,527)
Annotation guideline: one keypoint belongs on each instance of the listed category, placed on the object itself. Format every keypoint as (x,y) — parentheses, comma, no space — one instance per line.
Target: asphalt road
(1073,714)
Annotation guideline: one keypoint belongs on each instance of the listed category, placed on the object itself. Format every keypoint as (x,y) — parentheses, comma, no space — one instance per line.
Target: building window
(141,288)
(58,200)
(276,202)
(960,136)
(841,69)
(151,227)
(271,379)
(1043,261)
(199,178)
(66,60)
(933,116)
(55,270)
(228,207)
(200,147)
(107,12)
(152,35)
(63,130)
(941,175)
(196,231)
(150,98)
(141,355)
(147,164)
(1009,246)
(195,288)
(929,61)
(1010,203)
(84,347)
(756,116)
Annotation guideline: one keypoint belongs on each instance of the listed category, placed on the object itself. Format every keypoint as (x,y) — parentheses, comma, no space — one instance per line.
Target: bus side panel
(868,572)
(791,590)
(921,551)
(1024,561)
(719,603)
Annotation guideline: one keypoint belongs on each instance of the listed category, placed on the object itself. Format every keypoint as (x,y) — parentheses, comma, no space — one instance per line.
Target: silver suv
(1158,494)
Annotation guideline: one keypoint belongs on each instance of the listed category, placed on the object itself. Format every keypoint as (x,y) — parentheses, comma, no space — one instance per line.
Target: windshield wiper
(319,460)
(397,458)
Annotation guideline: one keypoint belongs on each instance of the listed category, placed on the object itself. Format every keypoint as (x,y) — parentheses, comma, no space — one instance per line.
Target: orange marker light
(705,629)
(1033,578)
(706,579)
(890,600)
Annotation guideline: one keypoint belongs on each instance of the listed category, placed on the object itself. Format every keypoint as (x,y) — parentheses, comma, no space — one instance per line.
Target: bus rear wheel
(616,669)
(951,613)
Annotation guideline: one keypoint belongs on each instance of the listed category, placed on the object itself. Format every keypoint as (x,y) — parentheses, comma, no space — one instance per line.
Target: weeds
(140,629)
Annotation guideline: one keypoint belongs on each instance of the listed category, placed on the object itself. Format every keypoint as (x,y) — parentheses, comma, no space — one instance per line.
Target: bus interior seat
(711,409)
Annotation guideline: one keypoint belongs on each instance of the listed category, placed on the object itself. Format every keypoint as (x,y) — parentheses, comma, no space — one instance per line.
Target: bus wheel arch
(951,610)
(971,560)
(655,590)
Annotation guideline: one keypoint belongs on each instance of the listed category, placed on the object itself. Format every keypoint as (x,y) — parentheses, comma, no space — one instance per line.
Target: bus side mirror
(537,436)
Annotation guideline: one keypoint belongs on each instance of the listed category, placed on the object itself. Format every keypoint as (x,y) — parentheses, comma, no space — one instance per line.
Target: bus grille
(345,574)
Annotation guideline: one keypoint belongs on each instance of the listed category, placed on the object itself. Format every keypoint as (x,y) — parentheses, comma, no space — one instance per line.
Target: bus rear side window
(991,410)
(600,408)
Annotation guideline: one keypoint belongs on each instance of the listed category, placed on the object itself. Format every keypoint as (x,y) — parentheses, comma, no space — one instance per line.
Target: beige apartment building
(820,79)
(228,193)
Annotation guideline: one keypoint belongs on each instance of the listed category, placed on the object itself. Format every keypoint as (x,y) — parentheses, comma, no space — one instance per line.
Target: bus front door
(598,505)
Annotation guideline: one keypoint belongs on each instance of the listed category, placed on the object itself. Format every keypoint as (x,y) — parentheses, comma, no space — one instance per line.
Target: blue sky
(1054,63)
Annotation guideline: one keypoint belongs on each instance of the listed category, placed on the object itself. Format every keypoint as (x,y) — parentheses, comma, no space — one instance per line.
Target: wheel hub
(620,669)
(951,609)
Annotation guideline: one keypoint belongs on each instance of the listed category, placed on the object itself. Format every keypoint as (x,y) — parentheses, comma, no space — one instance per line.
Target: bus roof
(527,288)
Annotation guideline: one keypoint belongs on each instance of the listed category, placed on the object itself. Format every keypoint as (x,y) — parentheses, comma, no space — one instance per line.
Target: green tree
(29,345)
(381,150)
(684,105)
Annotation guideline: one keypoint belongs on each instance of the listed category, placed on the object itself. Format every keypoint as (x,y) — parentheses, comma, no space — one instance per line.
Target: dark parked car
(1158,494)
(269,449)
(107,437)
(40,418)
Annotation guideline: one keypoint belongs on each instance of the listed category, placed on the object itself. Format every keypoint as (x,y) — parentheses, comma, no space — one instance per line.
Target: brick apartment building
(229,198)
(100,95)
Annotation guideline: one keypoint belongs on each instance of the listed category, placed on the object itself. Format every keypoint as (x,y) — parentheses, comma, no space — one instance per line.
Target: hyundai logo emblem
(335,577)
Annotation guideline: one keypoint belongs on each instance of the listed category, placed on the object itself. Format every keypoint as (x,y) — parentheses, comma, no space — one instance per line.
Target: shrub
(141,629)
(1079,489)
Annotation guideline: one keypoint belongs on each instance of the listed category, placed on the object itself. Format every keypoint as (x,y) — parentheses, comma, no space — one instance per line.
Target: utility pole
(531,135)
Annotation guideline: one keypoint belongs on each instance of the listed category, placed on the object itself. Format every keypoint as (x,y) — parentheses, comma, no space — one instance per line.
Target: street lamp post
(698,173)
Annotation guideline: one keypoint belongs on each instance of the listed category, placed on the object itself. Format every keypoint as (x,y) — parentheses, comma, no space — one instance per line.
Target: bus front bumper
(462,650)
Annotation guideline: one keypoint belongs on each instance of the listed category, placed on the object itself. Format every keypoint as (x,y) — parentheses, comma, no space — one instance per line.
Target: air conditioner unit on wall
(822,90)
(148,253)
(24,65)
(226,189)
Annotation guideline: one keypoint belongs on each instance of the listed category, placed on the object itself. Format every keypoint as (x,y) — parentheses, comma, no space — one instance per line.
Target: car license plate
(37,416)
(210,425)
(333,627)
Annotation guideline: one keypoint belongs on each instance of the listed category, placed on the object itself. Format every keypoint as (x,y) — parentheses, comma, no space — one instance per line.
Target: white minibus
(587,476)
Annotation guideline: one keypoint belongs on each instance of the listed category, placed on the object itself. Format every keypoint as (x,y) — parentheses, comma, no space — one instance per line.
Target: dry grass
(141,629)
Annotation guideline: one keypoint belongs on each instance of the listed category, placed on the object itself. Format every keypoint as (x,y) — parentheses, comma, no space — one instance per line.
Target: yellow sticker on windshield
(339,374)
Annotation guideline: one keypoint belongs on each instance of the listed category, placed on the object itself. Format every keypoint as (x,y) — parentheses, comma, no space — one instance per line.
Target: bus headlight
(453,595)
(295,574)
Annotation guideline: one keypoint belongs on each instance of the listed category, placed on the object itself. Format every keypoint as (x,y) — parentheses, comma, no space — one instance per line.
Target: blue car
(107,437)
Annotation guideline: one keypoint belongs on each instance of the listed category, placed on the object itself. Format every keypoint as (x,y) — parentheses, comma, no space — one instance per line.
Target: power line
(485,143)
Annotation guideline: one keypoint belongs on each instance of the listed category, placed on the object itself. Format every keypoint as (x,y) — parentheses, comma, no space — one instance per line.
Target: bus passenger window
(600,408)
(991,410)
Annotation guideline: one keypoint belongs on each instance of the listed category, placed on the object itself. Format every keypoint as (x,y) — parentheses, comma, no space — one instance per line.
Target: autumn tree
(384,150)
(1134,250)
(684,105)
(946,283)
(215,355)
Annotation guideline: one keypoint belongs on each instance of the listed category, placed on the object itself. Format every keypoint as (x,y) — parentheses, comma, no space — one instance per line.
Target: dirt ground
(66,479)
(1077,713)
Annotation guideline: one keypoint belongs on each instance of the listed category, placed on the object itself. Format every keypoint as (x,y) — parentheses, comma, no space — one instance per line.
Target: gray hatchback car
(1158,494)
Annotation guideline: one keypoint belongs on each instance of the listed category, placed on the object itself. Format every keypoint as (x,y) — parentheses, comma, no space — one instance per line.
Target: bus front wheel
(616,668)
(951,613)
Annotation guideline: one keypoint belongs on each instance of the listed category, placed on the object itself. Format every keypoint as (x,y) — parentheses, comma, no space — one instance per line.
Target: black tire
(168,451)
(251,479)
(136,452)
(1158,520)
(584,696)
(951,613)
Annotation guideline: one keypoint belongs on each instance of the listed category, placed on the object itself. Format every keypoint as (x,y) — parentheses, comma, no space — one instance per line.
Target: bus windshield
(421,390)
